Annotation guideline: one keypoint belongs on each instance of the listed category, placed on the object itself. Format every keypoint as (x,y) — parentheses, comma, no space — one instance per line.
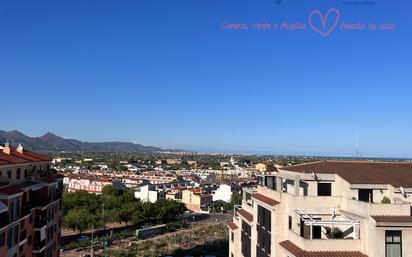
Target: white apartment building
(223,193)
(82,182)
(149,193)
(326,209)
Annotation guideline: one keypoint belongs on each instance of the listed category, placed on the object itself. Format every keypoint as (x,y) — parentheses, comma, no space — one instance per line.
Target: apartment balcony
(324,229)
(325,224)
(40,221)
(247,196)
(324,244)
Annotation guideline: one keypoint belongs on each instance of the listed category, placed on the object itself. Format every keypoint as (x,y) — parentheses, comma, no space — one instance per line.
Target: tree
(78,219)
(235,199)
(127,211)
(167,210)
(82,210)
(108,190)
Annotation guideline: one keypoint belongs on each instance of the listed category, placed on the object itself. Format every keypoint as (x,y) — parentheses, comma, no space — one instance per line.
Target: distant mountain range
(52,143)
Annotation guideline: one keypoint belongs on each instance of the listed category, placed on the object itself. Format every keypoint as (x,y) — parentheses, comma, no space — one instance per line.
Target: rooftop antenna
(357,145)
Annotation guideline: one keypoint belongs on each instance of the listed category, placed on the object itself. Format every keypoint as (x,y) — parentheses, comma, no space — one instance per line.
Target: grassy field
(212,239)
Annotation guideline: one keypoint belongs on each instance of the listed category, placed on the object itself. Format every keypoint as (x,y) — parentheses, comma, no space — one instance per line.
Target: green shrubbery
(386,200)
(82,210)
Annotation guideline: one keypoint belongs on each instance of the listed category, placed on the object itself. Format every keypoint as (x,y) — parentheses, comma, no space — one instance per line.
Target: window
(365,195)
(393,243)
(271,182)
(16,234)
(23,235)
(324,189)
(18,176)
(2,237)
(11,210)
(49,234)
(25,173)
(245,239)
(247,229)
(232,236)
(9,174)
(290,222)
(263,241)
(264,218)
(10,238)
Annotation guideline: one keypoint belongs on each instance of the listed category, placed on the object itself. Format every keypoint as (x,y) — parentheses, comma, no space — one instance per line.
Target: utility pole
(91,251)
(104,224)
(357,145)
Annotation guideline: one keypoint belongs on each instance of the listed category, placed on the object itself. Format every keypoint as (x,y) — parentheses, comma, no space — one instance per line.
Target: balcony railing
(324,244)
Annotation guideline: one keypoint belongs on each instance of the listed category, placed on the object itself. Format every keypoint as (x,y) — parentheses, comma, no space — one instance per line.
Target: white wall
(223,193)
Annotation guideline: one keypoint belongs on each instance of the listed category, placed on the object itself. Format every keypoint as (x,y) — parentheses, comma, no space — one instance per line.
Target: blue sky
(165,73)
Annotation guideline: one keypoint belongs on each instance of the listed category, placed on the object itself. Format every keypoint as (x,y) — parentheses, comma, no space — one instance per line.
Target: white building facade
(223,193)
(326,209)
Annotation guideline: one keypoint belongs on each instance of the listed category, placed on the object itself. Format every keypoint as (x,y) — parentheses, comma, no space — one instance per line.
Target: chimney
(6,149)
(20,148)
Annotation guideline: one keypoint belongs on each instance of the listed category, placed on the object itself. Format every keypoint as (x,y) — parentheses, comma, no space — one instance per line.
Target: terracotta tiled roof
(16,158)
(292,248)
(232,225)
(195,190)
(49,179)
(11,190)
(361,172)
(248,216)
(265,199)
(393,219)
(295,250)
(334,254)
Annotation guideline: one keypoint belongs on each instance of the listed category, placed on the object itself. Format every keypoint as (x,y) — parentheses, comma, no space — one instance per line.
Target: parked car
(82,238)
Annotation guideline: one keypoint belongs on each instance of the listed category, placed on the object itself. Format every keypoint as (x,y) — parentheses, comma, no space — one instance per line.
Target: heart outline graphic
(323,20)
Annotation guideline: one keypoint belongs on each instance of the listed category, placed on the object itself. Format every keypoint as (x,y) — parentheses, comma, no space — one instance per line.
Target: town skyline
(357,151)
